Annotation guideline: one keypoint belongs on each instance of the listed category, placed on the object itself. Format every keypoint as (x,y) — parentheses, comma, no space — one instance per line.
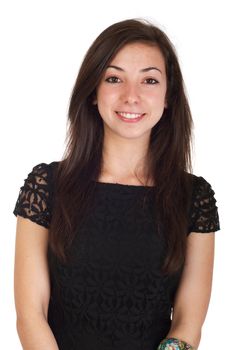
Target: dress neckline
(116,184)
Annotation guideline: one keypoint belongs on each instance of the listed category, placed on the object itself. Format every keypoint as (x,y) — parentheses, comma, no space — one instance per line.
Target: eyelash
(109,80)
(154,81)
(112,79)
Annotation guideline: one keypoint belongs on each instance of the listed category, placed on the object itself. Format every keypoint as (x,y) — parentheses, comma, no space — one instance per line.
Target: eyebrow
(142,70)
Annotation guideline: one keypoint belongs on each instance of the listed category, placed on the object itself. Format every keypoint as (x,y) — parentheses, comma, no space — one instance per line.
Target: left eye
(151,81)
(113,80)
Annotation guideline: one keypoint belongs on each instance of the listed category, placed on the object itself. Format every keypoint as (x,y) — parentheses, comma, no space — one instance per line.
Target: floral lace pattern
(204,215)
(112,295)
(34,196)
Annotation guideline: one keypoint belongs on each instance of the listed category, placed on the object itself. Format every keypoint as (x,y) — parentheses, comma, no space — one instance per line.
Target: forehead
(139,52)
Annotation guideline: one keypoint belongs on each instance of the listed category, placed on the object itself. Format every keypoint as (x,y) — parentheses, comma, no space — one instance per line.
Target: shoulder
(43,174)
(36,194)
(44,169)
(40,179)
(204,211)
(202,190)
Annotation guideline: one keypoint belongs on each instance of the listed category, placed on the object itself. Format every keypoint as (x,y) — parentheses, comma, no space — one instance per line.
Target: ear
(95,101)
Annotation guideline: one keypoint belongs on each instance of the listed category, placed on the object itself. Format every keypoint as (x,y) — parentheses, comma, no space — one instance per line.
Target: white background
(42,46)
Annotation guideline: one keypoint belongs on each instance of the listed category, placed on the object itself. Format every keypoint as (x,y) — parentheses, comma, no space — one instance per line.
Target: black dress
(112,294)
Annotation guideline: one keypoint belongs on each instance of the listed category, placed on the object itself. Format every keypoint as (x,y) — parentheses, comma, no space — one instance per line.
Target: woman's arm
(194,291)
(32,286)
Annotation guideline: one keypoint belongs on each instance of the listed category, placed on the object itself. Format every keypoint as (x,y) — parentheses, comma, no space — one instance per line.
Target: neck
(124,159)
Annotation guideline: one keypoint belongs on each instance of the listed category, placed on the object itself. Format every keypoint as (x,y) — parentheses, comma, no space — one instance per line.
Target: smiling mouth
(128,115)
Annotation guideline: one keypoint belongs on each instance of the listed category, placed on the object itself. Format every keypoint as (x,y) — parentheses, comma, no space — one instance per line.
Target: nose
(130,94)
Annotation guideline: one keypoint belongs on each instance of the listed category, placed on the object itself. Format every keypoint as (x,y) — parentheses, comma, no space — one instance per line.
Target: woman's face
(131,93)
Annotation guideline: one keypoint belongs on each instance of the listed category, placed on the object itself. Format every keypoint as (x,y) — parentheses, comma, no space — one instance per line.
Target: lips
(129,115)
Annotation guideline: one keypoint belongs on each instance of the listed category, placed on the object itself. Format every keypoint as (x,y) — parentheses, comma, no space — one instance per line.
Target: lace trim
(34,196)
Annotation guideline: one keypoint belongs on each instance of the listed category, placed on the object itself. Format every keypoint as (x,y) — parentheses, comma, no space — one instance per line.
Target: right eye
(113,80)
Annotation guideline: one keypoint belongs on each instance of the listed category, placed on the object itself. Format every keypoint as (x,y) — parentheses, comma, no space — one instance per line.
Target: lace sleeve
(204,214)
(35,196)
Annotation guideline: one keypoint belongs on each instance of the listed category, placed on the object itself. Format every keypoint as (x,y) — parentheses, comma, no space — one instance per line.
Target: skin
(194,291)
(127,87)
(32,286)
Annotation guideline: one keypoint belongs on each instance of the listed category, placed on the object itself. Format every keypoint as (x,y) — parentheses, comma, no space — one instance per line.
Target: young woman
(115,242)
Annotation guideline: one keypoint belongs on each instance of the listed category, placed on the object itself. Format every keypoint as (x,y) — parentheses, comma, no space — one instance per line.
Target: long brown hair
(169,153)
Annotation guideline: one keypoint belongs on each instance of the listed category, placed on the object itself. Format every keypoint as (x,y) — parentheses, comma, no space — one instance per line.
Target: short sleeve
(34,199)
(204,216)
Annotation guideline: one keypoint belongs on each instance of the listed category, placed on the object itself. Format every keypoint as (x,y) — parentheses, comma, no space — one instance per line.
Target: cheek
(106,98)
(159,97)
(103,102)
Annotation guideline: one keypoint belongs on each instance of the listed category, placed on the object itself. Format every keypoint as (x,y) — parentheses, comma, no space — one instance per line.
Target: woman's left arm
(194,291)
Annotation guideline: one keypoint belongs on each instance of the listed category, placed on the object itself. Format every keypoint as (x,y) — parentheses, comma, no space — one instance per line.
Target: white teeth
(129,115)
